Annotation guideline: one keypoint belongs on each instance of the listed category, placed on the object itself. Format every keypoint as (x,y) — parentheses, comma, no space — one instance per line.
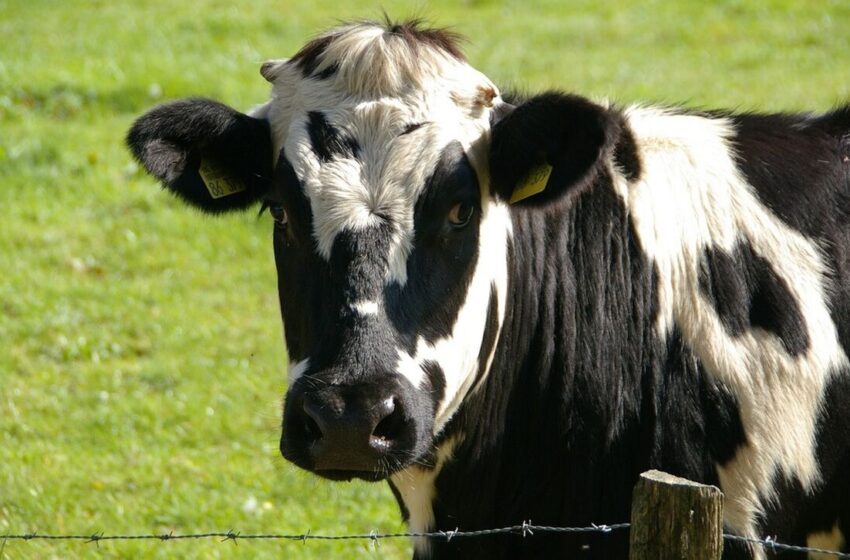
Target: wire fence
(524,530)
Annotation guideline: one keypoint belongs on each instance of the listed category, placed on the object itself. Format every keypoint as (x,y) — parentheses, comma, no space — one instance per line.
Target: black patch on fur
(172,140)
(327,72)
(405,513)
(437,384)
(436,381)
(327,141)
(797,165)
(833,454)
(747,292)
(410,128)
(288,192)
(724,429)
(310,56)
(428,304)
(359,261)
(626,156)
(724,283)
(568,132)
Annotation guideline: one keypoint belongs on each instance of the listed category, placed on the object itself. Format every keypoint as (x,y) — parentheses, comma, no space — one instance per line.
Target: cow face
(390,239)
(390,252)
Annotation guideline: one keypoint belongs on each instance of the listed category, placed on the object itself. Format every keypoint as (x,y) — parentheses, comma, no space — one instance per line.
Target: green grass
(142,364)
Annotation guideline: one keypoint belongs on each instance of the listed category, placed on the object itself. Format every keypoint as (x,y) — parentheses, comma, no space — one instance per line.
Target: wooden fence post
(675,519)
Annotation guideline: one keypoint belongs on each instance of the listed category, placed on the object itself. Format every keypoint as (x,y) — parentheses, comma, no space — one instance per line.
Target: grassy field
(141,358)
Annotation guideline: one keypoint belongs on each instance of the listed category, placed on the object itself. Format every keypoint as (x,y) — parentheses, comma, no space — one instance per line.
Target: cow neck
(566,378)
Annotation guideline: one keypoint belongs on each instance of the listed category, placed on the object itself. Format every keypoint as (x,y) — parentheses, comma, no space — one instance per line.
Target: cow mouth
(340,475)
(379,468)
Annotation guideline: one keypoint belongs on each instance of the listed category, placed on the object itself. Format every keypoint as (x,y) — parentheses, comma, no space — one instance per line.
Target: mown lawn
(141,358)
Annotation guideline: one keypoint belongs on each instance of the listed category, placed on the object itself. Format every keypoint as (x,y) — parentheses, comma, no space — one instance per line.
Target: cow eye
(278,213)
(460,214)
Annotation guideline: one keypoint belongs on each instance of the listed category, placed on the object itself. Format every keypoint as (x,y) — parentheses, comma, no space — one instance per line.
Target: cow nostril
(390,428)
(312,431)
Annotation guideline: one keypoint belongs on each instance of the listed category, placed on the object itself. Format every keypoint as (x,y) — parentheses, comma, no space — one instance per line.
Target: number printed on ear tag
(533,184)
(218,184)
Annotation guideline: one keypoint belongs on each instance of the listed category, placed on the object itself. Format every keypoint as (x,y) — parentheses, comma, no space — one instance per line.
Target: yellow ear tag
(217,182)
(534,183)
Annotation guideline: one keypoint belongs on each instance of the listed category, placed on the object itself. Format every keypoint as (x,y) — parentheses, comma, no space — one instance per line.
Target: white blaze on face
(691,197)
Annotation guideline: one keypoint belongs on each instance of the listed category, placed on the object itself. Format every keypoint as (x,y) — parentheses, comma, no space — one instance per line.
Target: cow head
(374,157)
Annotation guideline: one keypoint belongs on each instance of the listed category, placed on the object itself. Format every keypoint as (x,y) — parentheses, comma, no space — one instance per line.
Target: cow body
(676,297)
(702,361)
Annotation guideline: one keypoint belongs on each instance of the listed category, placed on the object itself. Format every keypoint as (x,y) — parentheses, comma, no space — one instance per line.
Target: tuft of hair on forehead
(416,33)
(380,57)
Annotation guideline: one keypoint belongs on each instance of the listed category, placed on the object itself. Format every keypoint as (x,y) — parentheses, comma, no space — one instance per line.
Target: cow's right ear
(208,154)
(548,147)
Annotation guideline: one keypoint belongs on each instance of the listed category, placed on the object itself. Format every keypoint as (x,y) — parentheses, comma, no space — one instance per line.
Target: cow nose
(346,434)
(326,421)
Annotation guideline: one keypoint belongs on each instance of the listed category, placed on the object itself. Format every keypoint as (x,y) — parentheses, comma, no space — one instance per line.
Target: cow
(508,307)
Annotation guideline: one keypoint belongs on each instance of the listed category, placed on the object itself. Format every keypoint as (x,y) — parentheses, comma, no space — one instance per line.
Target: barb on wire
(450,534)
(526,529)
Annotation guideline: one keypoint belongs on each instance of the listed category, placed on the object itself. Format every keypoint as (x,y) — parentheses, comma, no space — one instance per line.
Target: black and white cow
(510,310)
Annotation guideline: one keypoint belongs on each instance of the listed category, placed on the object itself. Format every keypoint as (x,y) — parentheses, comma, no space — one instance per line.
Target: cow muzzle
(343,432)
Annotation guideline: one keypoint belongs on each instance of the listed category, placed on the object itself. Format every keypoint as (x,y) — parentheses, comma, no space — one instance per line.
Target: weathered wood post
(675,519)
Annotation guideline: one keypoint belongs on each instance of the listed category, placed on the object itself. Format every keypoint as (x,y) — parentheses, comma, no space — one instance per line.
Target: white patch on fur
(416,487)
(366,307)
(691,197)
(297,369)
(828,540)
(381,85)
(410,368)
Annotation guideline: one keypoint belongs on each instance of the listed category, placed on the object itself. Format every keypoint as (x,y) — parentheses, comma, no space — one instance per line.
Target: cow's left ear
(211,156)
(549,146)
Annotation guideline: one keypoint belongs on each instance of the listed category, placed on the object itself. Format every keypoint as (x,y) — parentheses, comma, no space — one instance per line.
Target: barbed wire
(526,529)
(770,543)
